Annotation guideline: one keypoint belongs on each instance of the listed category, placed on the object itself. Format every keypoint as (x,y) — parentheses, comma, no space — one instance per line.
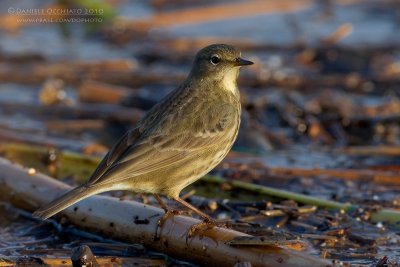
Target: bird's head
(218,61)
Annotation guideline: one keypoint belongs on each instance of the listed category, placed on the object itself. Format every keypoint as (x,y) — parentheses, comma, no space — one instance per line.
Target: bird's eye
(215,59)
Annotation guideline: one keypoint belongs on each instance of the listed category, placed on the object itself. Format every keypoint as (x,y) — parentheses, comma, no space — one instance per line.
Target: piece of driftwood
(69,71)
(79,111)
(97,92)
(75,125)
(340,33)
(137,222)
(41,139)
(222,11)
(377,176)
(75,72)
(381,150)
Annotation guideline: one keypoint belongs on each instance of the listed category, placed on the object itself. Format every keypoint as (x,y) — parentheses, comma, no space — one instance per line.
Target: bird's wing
(166,142)
(114,153)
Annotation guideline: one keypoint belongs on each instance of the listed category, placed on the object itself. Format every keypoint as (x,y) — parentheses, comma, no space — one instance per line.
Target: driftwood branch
(41,139)
(381,150)
(75,72)
(222,11)
(97,92)
(81,111)
(376,176)
(137,222)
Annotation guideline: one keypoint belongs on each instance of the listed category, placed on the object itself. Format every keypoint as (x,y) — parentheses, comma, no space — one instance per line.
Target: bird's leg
(208,222)
(168,212)
(194,209)
(161,202)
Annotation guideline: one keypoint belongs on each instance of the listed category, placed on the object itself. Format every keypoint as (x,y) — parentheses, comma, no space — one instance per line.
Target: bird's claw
(167,215)
(163,219)
(201,229)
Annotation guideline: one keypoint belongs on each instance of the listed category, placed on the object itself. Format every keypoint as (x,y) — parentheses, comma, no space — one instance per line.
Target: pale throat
(229,80)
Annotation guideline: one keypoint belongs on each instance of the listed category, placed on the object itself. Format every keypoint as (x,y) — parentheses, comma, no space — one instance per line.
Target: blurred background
(321,106)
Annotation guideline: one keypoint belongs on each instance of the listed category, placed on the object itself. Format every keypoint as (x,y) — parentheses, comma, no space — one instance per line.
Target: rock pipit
(180,139)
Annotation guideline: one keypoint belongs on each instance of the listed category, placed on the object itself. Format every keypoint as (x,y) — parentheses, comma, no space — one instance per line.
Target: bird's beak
(243,62)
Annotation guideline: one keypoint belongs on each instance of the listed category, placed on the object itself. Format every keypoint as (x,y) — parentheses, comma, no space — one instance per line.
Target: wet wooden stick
(221,11)
(78,111)
(74,72)
(372,150)
(382,177)
(92,91)
(137,222)
(41,139)
(340,33)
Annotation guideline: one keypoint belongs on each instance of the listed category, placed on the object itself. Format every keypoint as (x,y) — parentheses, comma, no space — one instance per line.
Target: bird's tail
(66,200)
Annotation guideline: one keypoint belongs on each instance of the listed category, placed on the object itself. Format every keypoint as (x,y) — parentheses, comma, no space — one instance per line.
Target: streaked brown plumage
(180,139)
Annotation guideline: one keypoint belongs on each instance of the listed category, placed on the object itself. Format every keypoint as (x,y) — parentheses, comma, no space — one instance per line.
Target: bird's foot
(202,229)
(168,214)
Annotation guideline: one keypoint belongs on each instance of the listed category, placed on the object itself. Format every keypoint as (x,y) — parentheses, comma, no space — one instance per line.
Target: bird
(179,140)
